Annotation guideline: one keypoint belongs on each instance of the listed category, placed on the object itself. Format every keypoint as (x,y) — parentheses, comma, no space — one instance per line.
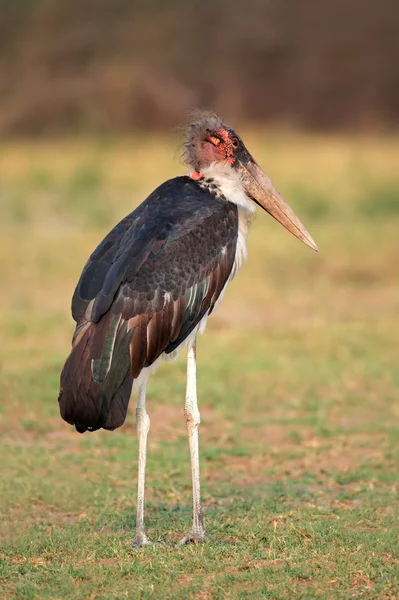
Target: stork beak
(263,192)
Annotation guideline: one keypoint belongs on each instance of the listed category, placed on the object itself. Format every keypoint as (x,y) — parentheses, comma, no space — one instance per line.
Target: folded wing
(143,291)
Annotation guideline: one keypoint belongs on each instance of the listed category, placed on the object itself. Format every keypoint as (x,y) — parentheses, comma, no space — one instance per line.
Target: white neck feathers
(230,185)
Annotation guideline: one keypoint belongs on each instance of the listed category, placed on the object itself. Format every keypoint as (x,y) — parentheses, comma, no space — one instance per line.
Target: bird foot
(140,540)
(193,537)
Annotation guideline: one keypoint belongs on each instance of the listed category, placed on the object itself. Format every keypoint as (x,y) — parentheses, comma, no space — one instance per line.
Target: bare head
(209,140)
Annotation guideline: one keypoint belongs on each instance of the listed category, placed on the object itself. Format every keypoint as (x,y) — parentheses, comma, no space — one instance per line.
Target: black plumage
(150,283)
(142,292)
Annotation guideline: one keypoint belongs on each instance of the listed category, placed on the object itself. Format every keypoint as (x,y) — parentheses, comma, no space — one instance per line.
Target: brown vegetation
(117,64)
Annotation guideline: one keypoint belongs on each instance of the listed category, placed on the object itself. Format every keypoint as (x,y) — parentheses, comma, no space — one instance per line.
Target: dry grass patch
(298,386)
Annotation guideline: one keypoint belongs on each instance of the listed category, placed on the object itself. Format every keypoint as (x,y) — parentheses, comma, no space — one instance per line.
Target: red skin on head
(226,147)
(216,148)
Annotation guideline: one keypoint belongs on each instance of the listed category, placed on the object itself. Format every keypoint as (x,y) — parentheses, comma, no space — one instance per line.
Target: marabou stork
(151,284)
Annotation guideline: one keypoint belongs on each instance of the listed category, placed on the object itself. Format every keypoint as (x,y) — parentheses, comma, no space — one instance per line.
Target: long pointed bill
(261,189)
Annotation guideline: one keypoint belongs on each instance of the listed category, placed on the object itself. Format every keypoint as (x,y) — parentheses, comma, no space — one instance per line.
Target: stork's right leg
(143,426)
(191,413)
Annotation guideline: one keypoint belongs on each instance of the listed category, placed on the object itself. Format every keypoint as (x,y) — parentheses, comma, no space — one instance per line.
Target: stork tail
(96,380)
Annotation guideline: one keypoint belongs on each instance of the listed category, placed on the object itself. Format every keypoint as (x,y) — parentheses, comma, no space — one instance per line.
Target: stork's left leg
(192,416)
(143,426)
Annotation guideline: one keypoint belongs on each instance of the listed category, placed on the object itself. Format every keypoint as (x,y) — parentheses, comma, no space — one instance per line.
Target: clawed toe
(140,540)
(193,538)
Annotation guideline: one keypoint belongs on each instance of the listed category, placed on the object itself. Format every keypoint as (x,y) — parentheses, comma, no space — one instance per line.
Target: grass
(298,384)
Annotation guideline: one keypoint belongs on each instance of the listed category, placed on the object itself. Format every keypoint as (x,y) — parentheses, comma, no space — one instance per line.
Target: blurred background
(118,66)
(298,370)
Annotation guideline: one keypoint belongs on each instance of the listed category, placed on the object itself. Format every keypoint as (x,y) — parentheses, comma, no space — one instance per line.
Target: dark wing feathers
(142,292)
(93,275)
(162,216)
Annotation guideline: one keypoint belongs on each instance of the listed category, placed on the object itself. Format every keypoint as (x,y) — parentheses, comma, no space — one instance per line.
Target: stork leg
(192,416)
(142,426)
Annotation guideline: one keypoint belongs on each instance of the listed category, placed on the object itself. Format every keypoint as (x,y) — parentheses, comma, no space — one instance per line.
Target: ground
(297,375)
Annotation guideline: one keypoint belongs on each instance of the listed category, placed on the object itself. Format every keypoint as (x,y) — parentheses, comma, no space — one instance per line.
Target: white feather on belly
(231,187)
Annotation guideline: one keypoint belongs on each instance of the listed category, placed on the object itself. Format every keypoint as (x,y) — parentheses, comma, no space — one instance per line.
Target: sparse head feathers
(211,149)
(202,140)
(202,123)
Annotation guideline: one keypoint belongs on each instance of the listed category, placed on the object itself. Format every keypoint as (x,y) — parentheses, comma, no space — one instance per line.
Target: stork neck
(220,180)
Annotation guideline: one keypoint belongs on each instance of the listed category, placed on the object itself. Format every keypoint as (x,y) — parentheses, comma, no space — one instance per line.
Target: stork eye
(235,142)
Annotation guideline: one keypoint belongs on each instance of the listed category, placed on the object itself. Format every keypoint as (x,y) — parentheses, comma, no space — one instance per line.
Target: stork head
(209,140)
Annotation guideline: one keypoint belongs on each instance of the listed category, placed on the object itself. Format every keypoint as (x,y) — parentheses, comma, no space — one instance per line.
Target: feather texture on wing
(142,292)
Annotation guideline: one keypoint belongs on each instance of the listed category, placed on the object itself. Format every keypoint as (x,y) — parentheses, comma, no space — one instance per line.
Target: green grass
(298,379)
